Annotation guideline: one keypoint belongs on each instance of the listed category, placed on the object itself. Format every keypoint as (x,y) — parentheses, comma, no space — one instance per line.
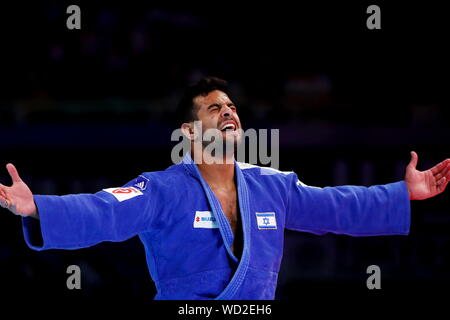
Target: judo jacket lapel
(224,226)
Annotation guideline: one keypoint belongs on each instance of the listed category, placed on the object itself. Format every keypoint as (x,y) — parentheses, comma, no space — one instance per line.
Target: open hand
(426,184)
(18,198)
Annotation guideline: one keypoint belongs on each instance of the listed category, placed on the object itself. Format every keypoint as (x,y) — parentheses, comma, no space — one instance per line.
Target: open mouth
(229,127)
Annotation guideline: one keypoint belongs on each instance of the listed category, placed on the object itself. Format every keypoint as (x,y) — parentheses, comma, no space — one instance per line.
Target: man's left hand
(426,184)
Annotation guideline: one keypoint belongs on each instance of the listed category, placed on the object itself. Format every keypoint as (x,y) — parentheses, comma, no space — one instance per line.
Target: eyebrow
(217,105)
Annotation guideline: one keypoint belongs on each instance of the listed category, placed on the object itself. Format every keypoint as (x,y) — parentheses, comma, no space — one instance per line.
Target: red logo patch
(124,190)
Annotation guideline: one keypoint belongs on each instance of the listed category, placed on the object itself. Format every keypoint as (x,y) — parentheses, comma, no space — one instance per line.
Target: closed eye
(213,106)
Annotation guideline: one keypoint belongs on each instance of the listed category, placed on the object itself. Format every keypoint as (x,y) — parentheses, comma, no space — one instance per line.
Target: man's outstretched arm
(78,220)
(363,211)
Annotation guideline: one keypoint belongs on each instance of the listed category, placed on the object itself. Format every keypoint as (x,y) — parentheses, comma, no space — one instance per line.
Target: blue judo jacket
(188,239)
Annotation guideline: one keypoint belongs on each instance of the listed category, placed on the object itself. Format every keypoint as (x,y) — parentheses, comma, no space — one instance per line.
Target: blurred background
(83,110)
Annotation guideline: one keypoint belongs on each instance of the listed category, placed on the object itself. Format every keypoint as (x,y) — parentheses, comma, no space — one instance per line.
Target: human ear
(188,130)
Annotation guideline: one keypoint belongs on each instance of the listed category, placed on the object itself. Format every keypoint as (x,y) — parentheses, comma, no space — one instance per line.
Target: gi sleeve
(351,210)
(82,220)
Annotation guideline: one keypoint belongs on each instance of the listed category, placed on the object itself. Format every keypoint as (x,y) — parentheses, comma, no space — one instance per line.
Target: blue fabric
(197,263)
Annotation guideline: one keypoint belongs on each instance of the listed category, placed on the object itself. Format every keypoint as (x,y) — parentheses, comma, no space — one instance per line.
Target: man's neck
(218,173)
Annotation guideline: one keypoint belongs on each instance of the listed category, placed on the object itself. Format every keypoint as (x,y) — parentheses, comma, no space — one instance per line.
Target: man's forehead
(215,96)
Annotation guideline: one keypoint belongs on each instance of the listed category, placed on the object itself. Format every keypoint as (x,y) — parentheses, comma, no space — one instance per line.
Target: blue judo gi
(188,239)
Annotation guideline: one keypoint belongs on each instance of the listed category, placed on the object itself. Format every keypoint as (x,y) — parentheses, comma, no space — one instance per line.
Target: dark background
(83,110)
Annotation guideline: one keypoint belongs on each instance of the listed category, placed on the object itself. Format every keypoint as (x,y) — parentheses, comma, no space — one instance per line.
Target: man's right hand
(18,198)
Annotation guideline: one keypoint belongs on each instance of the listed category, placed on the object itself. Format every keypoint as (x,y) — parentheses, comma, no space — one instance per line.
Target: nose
(226,112)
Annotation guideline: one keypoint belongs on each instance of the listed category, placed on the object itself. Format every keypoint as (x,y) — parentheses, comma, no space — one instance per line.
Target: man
(215,230)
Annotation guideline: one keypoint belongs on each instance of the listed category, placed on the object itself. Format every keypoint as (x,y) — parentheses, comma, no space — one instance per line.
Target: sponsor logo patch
(205,219)
(266,220)
(141,183)
(122,194)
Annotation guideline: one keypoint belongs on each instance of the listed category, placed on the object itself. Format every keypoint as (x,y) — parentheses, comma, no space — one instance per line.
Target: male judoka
(215,230)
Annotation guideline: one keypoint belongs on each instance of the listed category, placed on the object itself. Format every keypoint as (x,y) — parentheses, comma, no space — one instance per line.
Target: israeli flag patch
(266,220)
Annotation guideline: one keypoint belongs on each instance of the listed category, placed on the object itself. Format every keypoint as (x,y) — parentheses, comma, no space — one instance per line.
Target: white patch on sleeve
(122,194)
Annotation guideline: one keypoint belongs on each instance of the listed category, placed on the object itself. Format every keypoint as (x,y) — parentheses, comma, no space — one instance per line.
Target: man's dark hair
(186,111)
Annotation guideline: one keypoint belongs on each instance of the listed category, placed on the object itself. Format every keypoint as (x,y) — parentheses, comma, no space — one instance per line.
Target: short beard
(222,149)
